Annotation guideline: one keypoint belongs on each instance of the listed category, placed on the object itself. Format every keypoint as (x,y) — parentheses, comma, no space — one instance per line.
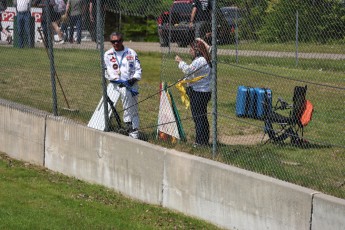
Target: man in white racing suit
(124,71)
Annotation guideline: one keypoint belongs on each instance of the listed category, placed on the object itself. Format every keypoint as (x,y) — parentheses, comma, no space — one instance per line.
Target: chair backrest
(299,102)
(307,113)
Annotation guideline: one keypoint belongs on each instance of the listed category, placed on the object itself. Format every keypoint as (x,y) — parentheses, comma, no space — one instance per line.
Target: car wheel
(164,42)
(205,29)
(186,38)
(182,44)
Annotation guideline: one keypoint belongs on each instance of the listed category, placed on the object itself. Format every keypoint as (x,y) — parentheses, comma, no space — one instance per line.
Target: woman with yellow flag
(198,89)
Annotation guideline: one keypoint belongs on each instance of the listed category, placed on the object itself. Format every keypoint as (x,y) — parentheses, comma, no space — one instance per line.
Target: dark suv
(232,15)
(173,26)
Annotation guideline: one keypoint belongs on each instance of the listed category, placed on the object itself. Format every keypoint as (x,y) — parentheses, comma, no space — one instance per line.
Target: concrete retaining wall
(221,194)
(132,167)
(22,132)
(328,213)
(233,197)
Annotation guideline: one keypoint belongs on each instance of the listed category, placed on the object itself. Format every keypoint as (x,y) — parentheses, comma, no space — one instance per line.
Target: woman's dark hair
(194,46)
(201,51)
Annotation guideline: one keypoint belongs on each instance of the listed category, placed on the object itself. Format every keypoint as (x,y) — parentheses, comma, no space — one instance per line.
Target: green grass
(319,165)
(36,198)
(289,47)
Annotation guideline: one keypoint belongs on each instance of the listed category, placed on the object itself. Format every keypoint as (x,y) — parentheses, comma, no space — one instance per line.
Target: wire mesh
(261,45)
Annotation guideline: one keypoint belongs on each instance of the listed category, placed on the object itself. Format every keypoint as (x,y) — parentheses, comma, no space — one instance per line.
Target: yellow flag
(180,86)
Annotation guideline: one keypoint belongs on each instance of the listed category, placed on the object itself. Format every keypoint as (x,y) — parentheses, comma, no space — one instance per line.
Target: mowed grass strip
(33,197)
(289,47)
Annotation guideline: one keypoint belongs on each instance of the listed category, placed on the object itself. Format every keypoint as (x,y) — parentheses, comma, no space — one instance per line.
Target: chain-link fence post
(49,43)
(214,78)
(296,37)
(100,40)
(236,35)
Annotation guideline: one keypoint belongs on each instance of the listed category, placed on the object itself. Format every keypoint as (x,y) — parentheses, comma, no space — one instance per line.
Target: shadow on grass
(301,143)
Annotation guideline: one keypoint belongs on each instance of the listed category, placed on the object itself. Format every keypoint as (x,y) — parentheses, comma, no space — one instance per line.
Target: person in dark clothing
(93,17)
(59,10)
(201,17)
(198,89)
(52,11)
(74,7)
(47,10)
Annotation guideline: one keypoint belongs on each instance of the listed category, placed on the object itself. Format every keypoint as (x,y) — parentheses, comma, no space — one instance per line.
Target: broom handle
(57,78)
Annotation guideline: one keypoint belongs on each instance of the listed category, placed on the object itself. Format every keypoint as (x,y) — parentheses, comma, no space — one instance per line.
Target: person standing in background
(201,18)
(59,10)
(47,9)
(51,8)
(74,7)
(64,23)
(23,8)
(93,17)
(124,71)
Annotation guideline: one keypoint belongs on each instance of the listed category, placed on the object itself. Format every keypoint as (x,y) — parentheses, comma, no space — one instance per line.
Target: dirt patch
(251,139)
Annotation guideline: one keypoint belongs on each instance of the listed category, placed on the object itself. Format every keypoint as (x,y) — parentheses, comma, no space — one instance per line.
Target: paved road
(147,46)
(155,47)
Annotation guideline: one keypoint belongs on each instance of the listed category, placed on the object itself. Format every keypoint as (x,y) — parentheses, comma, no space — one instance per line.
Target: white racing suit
(122,66)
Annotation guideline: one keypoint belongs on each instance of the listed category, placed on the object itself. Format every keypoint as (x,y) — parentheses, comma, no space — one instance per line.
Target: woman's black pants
(198,105)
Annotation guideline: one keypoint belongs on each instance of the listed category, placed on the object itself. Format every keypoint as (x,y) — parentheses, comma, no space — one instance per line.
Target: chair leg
(295,138)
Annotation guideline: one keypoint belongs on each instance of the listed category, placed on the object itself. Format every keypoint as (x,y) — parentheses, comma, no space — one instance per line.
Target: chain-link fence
(272,57)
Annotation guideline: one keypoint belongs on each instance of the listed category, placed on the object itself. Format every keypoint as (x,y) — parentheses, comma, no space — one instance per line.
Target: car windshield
(230,14)
(181,12)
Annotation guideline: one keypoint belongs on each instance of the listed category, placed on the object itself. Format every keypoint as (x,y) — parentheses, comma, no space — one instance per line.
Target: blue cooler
(245,101)
(262,96)
(250,102)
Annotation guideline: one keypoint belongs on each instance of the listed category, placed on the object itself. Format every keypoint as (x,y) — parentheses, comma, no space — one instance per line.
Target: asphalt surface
(155,47)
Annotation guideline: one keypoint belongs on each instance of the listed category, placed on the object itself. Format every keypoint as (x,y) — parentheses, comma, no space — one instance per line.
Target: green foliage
(135,28)
(318,21)
(252,18)
(142,8)
(151,28)
(279,24)
(140,29)
(136,19)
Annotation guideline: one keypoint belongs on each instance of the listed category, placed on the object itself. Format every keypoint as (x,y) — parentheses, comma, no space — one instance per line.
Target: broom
(55,74)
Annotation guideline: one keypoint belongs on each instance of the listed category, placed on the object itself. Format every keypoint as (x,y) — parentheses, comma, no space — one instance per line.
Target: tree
(252,18)
(318,21)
